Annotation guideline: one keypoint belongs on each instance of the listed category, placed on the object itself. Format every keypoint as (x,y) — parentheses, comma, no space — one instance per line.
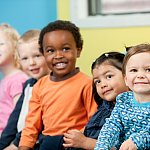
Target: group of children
(32,63)
(66,109)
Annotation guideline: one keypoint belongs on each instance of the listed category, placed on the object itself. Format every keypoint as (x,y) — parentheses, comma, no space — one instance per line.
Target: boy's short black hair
(61,25)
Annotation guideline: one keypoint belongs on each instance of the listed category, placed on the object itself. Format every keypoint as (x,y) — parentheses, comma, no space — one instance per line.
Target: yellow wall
(97,41)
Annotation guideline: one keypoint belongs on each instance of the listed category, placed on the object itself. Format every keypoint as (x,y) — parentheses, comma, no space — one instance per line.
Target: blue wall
(27,14)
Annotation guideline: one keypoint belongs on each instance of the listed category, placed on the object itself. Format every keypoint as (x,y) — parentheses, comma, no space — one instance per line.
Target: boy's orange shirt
(59,106)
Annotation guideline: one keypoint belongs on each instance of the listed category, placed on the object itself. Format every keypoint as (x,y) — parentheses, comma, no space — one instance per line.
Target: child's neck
(55,78)
(142,98)
(8,70)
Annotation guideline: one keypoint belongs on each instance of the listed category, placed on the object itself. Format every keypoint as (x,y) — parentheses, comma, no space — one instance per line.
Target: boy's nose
(58,54)
(31,61)
(141,75)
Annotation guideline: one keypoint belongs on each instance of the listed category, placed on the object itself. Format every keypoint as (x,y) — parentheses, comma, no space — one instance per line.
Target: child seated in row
(128,127)
(62,100)
(108,82)
(34,64)
(13,77)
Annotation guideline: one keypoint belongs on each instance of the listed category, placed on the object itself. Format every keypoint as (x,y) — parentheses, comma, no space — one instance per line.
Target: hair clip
(106,55)
(127,48)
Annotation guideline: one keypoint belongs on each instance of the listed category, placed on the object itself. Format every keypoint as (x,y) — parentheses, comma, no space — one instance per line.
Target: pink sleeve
(16,86)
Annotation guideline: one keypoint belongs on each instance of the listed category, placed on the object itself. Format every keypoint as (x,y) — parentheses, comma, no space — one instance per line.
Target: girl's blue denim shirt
(96,122)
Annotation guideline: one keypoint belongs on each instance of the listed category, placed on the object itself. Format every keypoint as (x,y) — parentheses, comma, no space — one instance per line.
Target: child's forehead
(28,47)
(139,58)
(107,63)
(23,44)
(28,40)
(9,32)
(105,67)
(4,34)
(60,31)
(29,52)
(60,35)
(141,55)
(6,38)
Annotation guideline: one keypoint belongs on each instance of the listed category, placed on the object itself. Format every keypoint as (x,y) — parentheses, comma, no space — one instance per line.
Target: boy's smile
(60,52)
(32,61)
(60,65)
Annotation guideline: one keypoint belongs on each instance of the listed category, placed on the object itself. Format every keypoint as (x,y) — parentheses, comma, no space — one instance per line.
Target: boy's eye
(133,70)
(66,48)
(50,50)
(38,56)
(148,70)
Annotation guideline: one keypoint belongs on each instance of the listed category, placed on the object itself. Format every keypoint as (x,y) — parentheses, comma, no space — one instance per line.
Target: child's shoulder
(85,76)
(41,83)
(30,81)
(82,78)
(17,78)
(124,97)
(43,79)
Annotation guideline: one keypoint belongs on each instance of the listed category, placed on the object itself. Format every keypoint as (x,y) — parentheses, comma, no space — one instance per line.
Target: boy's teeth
(60,65)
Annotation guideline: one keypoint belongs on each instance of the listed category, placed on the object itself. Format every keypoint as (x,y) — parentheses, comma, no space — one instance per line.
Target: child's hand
(11,147)
(128,145)
(74,138)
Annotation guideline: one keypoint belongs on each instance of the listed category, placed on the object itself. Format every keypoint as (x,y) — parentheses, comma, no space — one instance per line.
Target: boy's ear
(79,52)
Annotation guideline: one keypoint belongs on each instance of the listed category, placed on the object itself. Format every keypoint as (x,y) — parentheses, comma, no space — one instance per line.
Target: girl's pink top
(10,86)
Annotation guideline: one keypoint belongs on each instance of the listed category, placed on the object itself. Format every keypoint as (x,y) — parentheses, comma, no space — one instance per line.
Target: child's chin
(109,98)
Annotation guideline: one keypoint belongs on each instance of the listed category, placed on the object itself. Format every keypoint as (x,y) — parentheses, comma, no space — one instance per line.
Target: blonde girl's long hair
(13,36)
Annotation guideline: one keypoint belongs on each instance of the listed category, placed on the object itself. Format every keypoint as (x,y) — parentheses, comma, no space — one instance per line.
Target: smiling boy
(62,100)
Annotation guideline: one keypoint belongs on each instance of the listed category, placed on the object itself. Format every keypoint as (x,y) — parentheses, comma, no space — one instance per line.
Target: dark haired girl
(108,82)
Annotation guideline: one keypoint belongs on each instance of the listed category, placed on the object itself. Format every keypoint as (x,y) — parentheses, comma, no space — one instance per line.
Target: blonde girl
(13,78)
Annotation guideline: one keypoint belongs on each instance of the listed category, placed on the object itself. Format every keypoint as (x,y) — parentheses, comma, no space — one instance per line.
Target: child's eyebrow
(108,71)
(104,73)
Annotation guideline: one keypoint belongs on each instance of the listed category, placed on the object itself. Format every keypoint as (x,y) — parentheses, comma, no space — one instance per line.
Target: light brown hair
(13,36)
(141,48)
(29,36)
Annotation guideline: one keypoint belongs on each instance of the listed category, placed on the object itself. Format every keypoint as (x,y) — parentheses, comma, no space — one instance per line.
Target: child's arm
(142,139)
(33,123)
(11,147)
(75,138)
(89,102)
(10,130)
(110,131)
(24,148)
(16,98)
(17,139)
(138,140)
(9,133)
